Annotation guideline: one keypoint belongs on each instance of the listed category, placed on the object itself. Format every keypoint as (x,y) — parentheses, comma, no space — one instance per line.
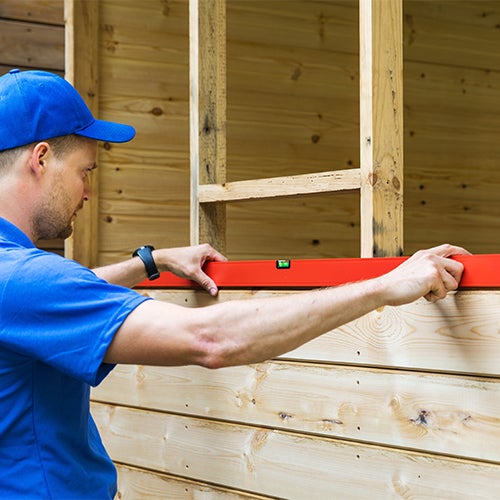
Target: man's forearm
(127,273)
(237,332)
(254,330)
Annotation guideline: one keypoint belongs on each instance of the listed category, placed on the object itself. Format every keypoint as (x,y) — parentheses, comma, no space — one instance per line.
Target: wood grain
(282,464)
(450,415)
(39,11)
(138,484)
(31,45)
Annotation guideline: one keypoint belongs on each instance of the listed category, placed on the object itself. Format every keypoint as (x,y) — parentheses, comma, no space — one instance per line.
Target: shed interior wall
(397,394)
(293,108)
(410,395)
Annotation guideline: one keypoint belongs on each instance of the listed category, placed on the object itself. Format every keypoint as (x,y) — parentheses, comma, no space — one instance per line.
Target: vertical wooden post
(81,66)
(381,127)
(207,27)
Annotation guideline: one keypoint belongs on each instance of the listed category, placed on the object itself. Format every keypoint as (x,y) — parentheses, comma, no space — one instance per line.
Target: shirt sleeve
(60,313)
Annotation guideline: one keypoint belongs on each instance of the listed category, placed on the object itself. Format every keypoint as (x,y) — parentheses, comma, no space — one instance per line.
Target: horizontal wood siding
(285,465)
(416,386)
(140,484)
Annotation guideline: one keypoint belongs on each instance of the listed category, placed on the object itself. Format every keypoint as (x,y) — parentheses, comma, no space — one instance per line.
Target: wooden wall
(402,403)
(293,108)
(32,37)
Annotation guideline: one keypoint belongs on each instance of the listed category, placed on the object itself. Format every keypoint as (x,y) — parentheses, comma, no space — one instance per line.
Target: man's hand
(187,262)
(428,273)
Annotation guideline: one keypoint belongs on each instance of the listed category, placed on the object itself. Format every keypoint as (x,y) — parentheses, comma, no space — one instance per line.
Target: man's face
(66,189)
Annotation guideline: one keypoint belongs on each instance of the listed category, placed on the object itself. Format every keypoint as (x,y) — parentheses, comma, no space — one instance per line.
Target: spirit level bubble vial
(283,264)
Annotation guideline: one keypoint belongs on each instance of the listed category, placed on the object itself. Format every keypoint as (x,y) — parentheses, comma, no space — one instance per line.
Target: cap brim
(101,130)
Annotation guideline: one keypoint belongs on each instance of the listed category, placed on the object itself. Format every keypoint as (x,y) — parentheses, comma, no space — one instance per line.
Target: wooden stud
(207,28)
(81,66)
(381,127)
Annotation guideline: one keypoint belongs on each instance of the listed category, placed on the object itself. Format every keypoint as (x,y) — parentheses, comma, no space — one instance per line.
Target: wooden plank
(479,13)
(125,77)
(152,131)
(34,11)
(31,45)
(144,176)
(323,182)
(124,233)
(381,127)
(208,116)
(419,411)
(81,67)
(6,68)
(145,485)
(452,33)
(327,26)
(283,464)
(156,15)
(410,336)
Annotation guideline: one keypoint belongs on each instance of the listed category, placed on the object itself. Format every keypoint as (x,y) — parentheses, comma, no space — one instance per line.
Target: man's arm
(250,331)
(186,262)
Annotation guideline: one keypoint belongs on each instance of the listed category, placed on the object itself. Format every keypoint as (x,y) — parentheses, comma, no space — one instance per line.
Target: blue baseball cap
(37,105)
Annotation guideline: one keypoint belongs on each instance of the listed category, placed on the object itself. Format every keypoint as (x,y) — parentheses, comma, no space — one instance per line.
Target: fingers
(447,250)
(206,283)
(447,279)
(217,256)
(428,273)
(208,253)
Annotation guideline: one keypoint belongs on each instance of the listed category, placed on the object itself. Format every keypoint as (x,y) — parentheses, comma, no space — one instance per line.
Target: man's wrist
(145,253)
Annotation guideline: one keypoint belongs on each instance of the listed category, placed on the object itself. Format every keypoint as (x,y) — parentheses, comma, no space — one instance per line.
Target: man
(63,327)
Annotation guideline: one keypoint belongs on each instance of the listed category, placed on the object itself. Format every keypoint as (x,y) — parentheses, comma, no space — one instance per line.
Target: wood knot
(422,418)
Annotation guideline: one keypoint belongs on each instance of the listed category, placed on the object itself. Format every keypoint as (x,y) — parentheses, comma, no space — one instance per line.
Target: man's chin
(67,232)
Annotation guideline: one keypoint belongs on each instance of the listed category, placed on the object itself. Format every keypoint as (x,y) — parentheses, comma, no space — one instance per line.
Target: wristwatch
(145,254)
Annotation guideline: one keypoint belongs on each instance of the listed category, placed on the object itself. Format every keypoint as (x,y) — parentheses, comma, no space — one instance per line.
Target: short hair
(66,144)
(60,146)
(9,156)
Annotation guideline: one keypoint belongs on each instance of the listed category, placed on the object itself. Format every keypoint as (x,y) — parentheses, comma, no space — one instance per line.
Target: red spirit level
(480,271)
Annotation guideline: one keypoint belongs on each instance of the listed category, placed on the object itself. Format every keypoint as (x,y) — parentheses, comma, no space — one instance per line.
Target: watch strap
(145,253)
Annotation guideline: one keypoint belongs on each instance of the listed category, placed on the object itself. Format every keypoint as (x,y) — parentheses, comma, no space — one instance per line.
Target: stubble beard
(50,221)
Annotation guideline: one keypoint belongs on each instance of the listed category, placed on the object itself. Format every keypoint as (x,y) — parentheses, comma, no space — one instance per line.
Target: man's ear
(39,157)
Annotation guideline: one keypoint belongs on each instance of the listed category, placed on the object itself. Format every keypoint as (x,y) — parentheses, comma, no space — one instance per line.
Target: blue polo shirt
(57,319)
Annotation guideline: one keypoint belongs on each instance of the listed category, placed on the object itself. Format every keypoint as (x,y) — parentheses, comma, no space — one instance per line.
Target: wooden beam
(81,67)
(323,182)
(381,127)
(207,26)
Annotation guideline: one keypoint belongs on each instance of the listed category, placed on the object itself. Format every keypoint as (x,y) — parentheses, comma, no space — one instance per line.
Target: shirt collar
(9,233)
